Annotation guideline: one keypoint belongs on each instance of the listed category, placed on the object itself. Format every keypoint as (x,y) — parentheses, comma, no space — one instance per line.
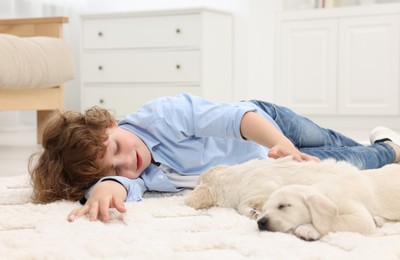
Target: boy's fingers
(310,158)
(76,213)
(119,204)
(273,153)
(297,157)
(103,210)
(93,211)
(72,215)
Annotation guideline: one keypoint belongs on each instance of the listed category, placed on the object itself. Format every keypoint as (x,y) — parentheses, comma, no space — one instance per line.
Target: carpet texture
(162,227)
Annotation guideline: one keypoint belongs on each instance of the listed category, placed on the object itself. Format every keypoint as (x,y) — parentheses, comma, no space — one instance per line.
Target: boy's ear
(114,124)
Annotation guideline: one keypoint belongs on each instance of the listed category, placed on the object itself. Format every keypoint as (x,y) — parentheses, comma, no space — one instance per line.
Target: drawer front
(124,99)
(142,32)
(129,66)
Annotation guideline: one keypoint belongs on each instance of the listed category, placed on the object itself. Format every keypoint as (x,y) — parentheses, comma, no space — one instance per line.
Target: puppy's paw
(250,212)
(201,197)
(254,213)
(307,232)
(379,221)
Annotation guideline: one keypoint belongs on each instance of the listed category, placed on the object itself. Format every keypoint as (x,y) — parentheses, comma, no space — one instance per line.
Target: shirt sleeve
(134,188)
(191,116)
(200,117)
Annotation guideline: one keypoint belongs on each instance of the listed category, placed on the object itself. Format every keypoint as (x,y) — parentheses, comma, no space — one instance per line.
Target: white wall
(253,36)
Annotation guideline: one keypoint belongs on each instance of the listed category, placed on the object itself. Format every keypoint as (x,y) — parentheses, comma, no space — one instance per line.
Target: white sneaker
(381,134)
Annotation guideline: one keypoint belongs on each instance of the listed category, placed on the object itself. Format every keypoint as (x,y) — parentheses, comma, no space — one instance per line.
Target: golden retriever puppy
(349,202)
(246,187)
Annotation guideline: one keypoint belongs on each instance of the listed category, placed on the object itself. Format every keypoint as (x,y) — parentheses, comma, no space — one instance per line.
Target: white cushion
(34,62)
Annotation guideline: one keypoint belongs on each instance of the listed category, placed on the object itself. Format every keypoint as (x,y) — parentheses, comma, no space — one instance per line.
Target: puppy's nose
(262,223)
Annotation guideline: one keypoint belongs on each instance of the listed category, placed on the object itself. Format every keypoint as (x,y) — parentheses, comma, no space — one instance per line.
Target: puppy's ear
(201,197)
(323,212)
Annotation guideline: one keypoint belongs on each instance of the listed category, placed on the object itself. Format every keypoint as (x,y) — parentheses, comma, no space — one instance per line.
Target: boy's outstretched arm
(105,195)
(256,128)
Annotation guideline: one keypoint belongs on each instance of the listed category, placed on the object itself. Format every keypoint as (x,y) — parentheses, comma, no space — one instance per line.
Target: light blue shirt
(189,134)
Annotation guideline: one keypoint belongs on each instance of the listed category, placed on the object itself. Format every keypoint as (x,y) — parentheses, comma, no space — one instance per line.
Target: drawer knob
(178,30)
(101,101)
(178,66)
(100,34)
(100,67)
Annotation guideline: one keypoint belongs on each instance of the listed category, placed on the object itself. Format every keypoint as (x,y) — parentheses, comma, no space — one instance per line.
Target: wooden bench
(43,100)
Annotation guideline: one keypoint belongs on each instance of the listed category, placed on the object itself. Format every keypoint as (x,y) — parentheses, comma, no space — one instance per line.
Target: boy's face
(126,152)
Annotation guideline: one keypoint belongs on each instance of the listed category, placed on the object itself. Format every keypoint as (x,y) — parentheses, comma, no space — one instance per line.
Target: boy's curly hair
(68,164)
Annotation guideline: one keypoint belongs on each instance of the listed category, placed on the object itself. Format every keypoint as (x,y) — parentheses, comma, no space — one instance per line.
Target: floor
(15,149)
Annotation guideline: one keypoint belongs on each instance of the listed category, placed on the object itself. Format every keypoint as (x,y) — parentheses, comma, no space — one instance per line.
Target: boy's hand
(105,195)
(258,129)
(279,151)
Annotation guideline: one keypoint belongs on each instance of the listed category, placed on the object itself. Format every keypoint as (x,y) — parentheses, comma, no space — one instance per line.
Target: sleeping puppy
(350,202)
(246,187)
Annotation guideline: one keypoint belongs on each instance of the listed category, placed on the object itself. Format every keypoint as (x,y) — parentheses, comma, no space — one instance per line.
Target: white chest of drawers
(130,58)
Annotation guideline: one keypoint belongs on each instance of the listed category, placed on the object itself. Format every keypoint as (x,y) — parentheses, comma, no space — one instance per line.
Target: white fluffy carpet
(162,227)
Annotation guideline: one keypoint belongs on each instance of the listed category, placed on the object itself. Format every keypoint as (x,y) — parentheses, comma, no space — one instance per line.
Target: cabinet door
(307,66)
(369,66)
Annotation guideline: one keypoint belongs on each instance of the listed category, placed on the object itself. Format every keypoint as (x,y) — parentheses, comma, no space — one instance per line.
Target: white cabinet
(369,65)
(339,63)
(308,58)
(130,58)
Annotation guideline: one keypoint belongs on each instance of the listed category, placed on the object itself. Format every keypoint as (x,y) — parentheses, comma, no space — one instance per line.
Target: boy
(170,141)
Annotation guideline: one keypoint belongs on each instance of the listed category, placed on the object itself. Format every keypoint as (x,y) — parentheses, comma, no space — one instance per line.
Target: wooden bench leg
(41,119)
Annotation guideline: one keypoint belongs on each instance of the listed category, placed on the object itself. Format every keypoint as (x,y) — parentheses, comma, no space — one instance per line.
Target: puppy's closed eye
(283,206)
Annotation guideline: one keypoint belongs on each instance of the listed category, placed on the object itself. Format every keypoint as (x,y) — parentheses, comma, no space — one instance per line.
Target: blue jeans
(324,143)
